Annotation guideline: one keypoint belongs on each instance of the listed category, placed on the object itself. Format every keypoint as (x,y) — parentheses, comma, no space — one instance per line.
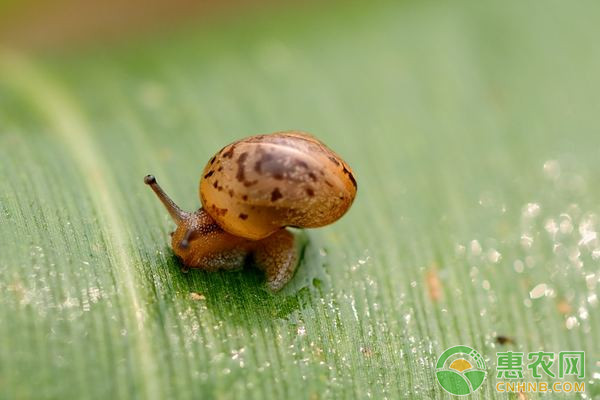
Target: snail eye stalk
(174,211)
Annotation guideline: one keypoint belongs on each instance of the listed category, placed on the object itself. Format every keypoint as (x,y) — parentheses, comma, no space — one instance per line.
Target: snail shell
(257,185)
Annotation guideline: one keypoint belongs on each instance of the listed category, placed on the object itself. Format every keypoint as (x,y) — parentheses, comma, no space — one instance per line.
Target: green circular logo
(460,370)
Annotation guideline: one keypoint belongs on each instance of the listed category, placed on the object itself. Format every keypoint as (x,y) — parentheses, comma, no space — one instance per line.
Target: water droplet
(518,266)
(475,248)
(237,354)
(571,322)
(538,291)
(486,199)
(587,231)
(552,169)
(531,210)
(494,256)
(354,311)
(473,273)
(551,226)
(526,241)
(566,224)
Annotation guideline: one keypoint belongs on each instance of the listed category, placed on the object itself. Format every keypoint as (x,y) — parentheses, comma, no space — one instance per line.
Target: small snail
(250,191)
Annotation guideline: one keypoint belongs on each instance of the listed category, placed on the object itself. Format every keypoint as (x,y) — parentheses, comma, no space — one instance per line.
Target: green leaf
(474,134)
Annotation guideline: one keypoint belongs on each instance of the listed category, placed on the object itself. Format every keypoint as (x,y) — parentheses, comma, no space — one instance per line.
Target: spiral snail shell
(250,191)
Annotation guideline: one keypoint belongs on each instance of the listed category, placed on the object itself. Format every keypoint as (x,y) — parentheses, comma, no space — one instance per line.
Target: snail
(251,191)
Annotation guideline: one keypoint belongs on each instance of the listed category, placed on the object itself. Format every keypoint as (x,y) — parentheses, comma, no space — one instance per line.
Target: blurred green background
(473,131)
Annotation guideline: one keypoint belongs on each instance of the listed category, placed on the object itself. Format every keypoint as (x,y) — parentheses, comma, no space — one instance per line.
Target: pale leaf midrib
(70,126)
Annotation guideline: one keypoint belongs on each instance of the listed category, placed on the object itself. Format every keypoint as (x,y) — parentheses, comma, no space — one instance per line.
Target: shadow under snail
(251,191)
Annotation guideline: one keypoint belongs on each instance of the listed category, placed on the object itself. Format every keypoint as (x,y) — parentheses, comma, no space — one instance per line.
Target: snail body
(250,191)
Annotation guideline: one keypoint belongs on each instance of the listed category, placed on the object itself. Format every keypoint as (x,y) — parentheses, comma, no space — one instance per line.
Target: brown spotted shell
(257,185)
